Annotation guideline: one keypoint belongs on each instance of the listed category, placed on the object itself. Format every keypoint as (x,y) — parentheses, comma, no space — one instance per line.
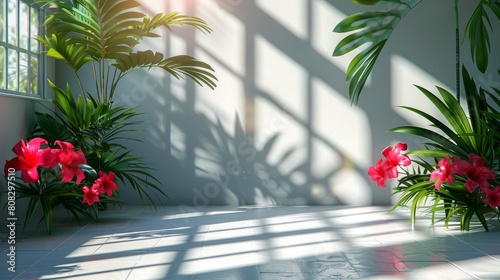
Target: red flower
(90,195)
(384,170)
(29,157)
(381,172)
(493,197)
(69,160)
(477,174)
(443,173)
(395,157)
(106,183)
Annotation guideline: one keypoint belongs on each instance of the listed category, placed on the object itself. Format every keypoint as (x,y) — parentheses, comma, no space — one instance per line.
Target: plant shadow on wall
(258,175)
(230,167)
(87,132)
(457,172)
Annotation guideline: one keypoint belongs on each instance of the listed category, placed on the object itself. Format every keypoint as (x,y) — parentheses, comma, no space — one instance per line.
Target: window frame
(41,68)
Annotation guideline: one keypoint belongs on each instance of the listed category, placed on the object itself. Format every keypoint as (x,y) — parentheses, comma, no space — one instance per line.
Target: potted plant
(101,35)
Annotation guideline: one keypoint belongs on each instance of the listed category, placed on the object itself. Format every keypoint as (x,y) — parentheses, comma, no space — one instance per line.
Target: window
(20,57)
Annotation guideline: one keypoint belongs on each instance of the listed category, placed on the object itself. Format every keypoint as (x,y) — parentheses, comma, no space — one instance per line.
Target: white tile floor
(257,243)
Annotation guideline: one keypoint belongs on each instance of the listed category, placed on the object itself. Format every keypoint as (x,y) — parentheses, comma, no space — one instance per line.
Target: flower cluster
(476,174)
(473,171)
(30,156)
(388,168)
(103,185)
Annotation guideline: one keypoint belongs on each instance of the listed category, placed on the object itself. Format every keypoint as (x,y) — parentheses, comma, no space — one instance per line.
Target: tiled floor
(257,243)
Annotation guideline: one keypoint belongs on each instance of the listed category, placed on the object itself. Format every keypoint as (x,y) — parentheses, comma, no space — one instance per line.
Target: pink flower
(90,195)
(387,169)
(106,183)
(493,197)
(379,173)
(29,157)
(394,155)
(443,173)
(69,160)
(477,174)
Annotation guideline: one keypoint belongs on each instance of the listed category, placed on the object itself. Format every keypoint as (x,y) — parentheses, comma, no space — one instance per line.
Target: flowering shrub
(463,186)
(464,146)
(56,175)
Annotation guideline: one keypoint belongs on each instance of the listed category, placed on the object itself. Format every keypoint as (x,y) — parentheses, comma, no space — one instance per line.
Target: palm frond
(200,72)
(74,55)
(174,18)
(371,29)
(477,29)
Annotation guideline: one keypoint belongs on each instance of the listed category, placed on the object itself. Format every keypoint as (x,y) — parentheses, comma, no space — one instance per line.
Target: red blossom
(386,169)
(378,173)
(90,195)
(394,155)
(493,197)
(106,183)
(477,174)
(443,173)
(29,157)
(70,161)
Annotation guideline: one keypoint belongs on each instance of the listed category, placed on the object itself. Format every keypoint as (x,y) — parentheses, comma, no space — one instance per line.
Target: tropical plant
(461,179)
(53,176)
(372,30)
(459,166)
(102,35)
(99,131)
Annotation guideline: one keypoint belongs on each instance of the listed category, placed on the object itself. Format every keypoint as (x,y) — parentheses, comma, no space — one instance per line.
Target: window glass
(20,57)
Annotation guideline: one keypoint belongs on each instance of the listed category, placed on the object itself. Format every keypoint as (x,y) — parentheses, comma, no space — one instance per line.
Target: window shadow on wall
(209,156)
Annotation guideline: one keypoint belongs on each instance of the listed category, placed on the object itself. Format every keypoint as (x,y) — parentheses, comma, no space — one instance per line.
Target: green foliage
(460,136)
(470,129)
(105,32)
(50,193)
(99,131)
(477,29)
(372,30)
(102,33)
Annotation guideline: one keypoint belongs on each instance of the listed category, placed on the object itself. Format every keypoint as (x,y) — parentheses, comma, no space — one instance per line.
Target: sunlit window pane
(23,73)
(12,22)
(12,65)
(24,25)
(20,23)
(34,75)
(2,21)
(34,29)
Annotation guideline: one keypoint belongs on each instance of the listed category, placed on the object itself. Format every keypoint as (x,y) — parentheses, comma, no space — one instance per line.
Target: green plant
(456,140)
(458,169)
(99,131)
(102,35)
(373,29)
(47,178)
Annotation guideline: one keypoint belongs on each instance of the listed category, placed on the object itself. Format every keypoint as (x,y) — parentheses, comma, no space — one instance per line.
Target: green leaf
(479,37)
(373,30)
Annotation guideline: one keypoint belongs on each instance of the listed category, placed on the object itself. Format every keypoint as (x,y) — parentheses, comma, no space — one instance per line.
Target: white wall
(277,77)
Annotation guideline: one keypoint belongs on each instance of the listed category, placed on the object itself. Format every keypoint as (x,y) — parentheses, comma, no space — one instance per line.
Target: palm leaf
(477,29)
(174,18)
(200,72)
(74,55)
(372,28)
(106,31)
